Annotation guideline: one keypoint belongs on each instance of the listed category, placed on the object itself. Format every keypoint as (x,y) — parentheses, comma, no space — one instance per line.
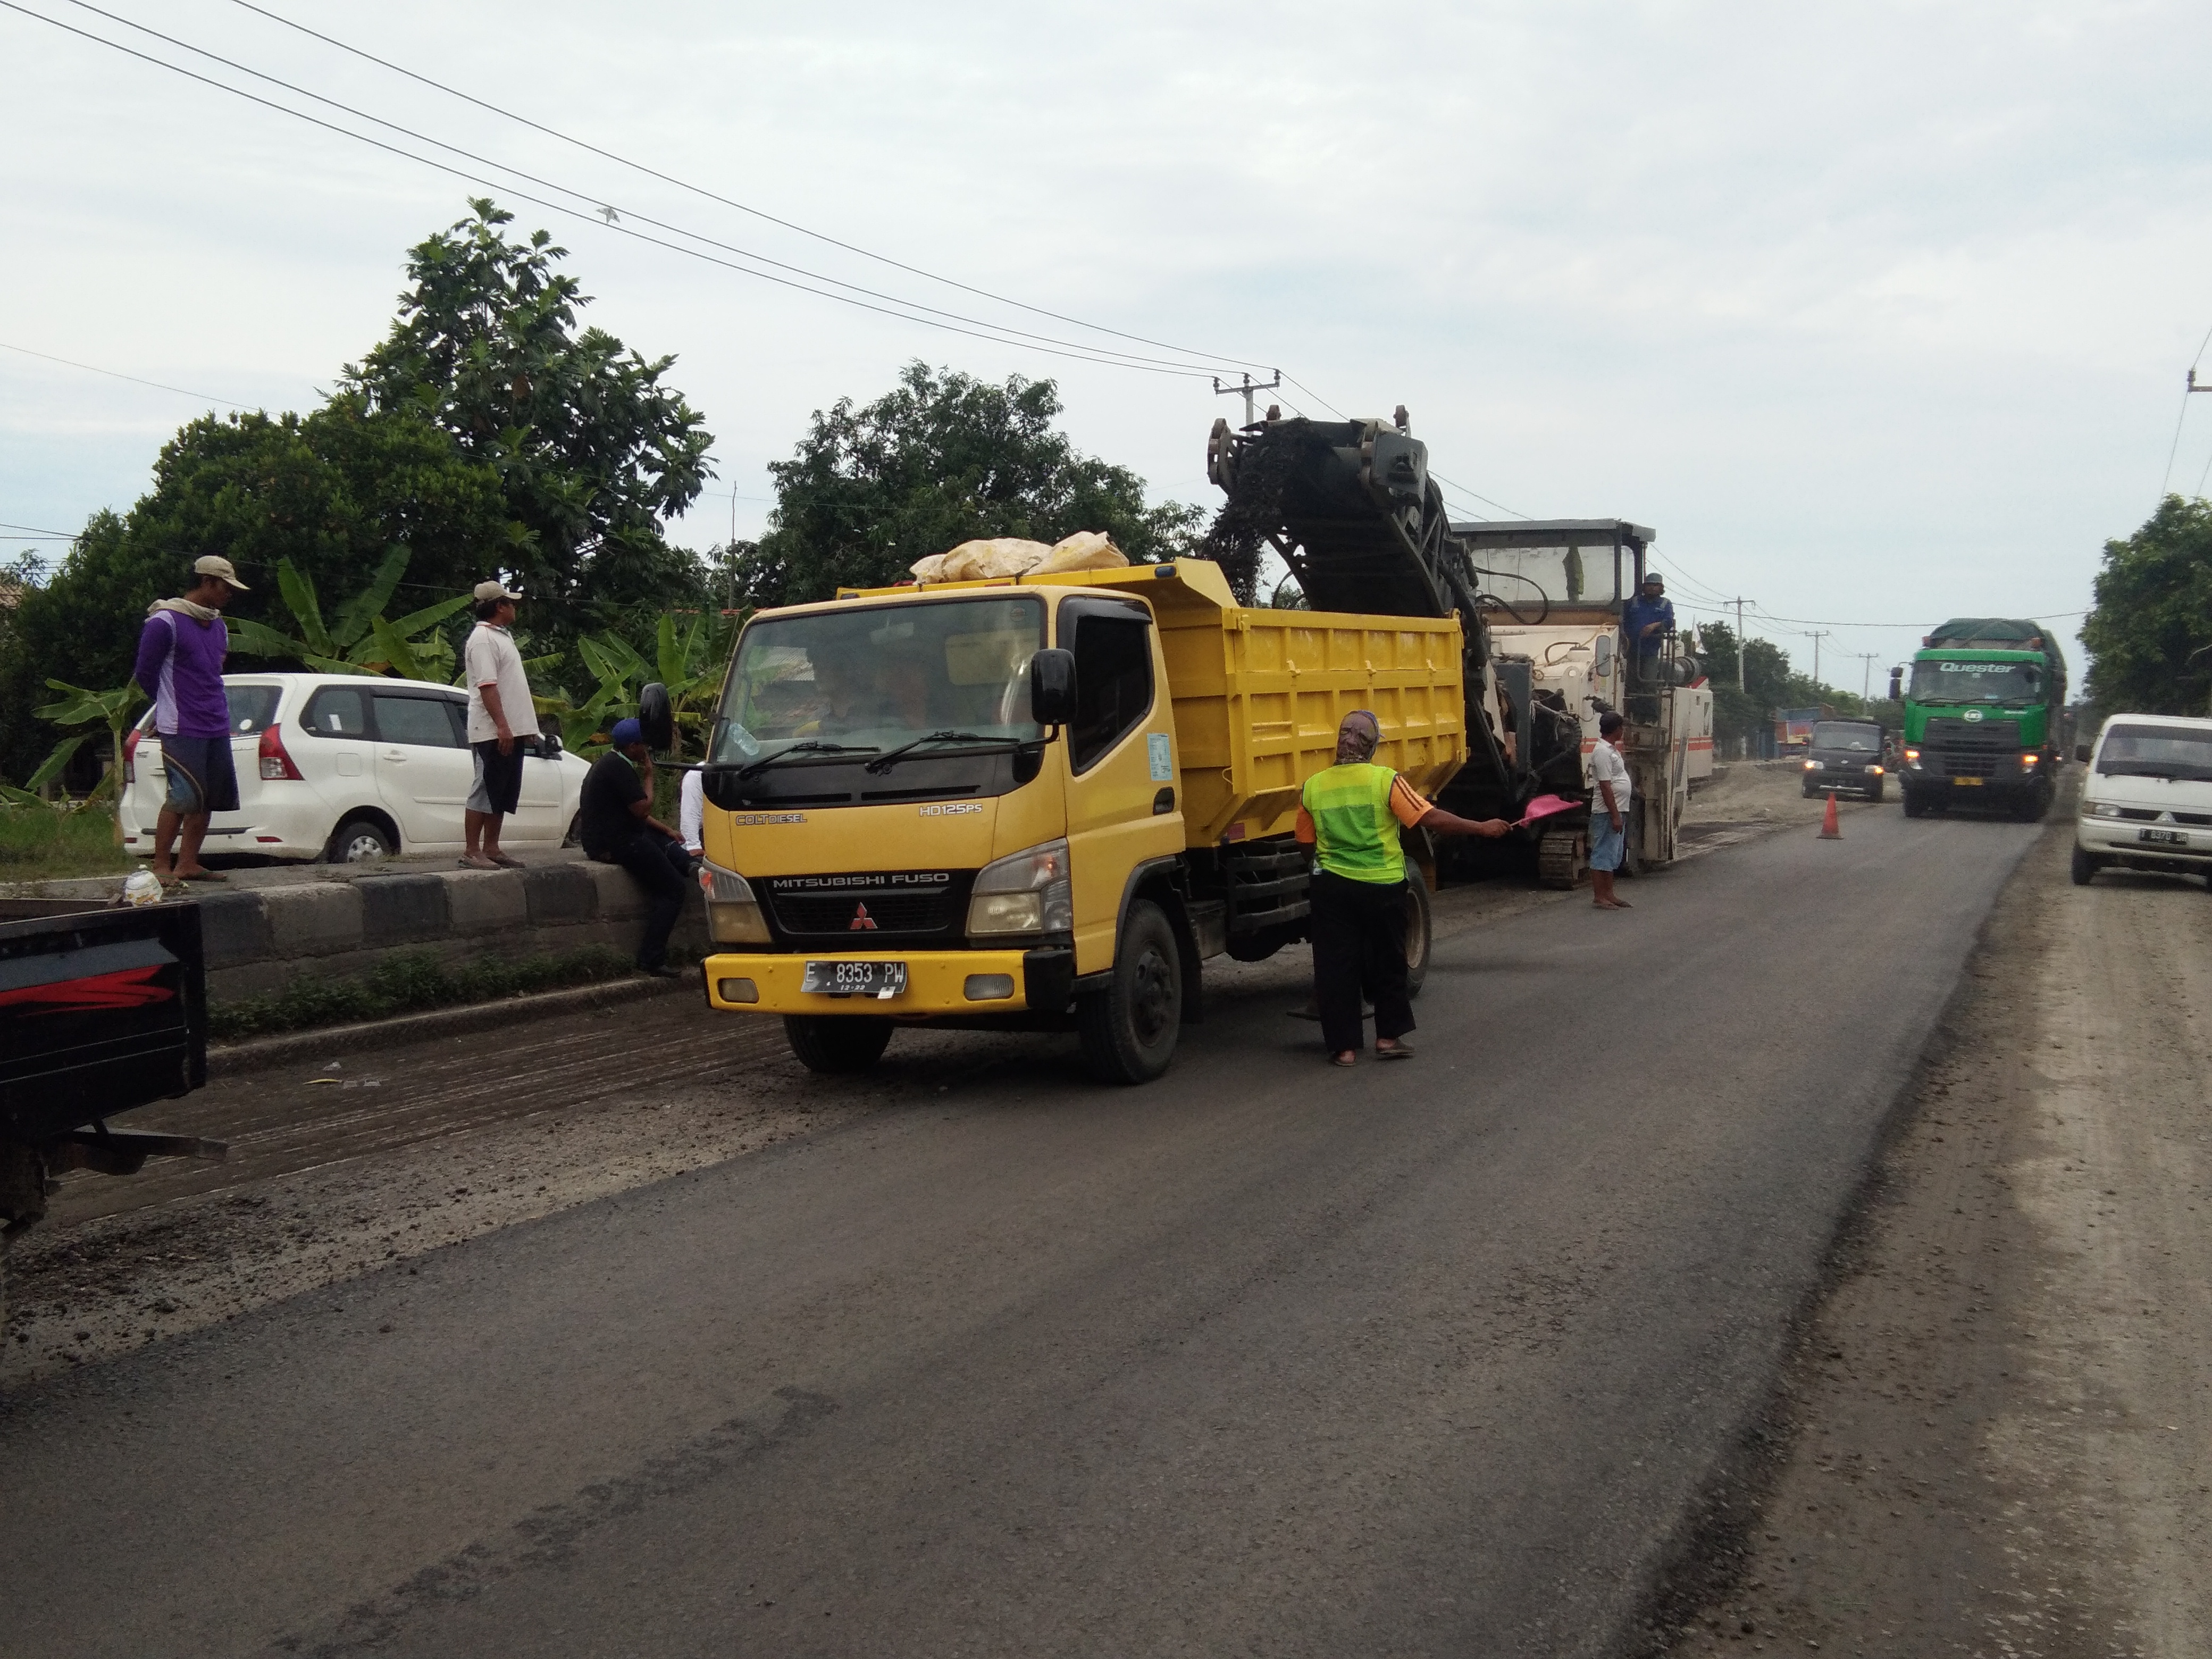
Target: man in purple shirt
(181,656)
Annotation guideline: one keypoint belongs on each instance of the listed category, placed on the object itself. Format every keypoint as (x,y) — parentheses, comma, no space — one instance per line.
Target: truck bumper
(938,982)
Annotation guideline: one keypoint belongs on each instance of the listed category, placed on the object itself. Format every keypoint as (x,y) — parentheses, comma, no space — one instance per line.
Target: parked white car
(2147,801)
(352,767)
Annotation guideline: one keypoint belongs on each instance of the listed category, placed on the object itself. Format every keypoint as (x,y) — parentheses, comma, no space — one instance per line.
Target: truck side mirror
(2082,753)
(1897,685)
(656,718)
(1604,655)
(1052,687)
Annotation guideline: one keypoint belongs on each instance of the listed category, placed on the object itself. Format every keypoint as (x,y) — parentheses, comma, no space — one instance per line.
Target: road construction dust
(1997,1432)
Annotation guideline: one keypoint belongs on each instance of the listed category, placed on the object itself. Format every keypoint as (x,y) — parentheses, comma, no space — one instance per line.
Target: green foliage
(408,983)
(111,710)
(689,655)
(359,640)
(43,842)
(591,450)
(2153,616)
(941,459)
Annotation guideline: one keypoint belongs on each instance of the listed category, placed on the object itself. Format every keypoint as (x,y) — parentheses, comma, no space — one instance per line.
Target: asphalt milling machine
(1351,509)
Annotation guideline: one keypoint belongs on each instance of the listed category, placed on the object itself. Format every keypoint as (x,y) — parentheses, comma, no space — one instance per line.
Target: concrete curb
(308,1048)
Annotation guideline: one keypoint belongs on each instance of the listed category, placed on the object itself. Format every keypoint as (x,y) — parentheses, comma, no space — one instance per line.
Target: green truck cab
(1985,702)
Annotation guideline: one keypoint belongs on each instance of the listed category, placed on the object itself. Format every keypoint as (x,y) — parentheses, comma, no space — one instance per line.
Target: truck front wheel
(836,1044)
(1416,932)
(1129,1028)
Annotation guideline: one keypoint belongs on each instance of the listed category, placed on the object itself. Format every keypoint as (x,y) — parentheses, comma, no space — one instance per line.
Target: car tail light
(131,754)
(275,763)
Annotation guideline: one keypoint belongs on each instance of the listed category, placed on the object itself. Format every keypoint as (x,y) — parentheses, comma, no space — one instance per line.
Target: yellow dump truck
(1037,803)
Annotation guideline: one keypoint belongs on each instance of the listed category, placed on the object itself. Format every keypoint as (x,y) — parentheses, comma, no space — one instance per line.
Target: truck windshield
(1523,576)
(2156,751)
(1950,680)
(871,679)
(1836,734)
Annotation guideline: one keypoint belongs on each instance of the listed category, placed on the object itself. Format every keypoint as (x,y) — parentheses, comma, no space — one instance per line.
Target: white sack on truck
(1001,556)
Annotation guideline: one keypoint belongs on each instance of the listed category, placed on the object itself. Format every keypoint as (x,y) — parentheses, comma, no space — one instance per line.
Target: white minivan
(351,768)
(2147,801)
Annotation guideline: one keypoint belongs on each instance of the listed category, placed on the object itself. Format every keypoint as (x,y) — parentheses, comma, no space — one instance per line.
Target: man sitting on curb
(181,653)
(618,828)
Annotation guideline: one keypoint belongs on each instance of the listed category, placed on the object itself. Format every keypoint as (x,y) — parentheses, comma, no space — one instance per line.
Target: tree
(358,639)
(114,712)
(591,450)
(940,459)
(2153,616)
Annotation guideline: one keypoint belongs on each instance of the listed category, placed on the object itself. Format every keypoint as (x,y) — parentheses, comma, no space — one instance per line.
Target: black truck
(102,1008)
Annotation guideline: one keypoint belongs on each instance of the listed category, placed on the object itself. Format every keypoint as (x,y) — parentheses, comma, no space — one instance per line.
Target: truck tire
(1416,932)
(837,1045)
(1915,804)
(1130,1028)
(2083,868)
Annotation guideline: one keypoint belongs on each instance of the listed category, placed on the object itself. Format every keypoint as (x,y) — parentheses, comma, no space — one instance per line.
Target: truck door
(1121,804)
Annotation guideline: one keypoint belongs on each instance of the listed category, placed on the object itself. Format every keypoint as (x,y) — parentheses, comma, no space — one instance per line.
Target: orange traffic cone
(1829,831)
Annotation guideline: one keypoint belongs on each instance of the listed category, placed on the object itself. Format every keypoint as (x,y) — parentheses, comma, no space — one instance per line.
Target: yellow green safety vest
(1355,833)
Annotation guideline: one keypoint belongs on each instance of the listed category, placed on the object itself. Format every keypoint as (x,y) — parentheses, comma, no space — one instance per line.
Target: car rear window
(1844,735)
(337,711)
(252,707)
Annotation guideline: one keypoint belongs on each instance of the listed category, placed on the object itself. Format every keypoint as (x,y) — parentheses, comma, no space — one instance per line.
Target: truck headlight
(2029,760)
(1912,756)
(1816,765)
(1025,893)
(733,914)
(1873,771)
(2100,810)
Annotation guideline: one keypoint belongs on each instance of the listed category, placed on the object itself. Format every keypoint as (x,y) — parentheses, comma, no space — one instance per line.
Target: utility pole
(1866,674)
(1249,387)
(1816,635)
(1739,604)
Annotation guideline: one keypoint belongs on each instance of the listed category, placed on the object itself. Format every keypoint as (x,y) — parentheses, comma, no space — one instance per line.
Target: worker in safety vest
(1349,815)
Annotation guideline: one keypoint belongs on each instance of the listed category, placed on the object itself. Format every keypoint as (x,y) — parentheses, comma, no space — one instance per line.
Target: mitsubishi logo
(860,919)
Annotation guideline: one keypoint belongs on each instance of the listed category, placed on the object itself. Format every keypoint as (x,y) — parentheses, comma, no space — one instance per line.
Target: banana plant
(359,640)
(113,709)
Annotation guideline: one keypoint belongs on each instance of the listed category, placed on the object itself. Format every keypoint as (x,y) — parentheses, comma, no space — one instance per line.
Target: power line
(2175,447)
(999,336)
(37,534)
(112,375)
(601,210)
(713,196)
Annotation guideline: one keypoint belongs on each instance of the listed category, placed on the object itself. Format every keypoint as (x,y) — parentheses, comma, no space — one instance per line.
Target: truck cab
(1982,717)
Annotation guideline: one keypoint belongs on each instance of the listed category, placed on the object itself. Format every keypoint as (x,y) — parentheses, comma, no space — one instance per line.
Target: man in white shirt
(691,812)
(1610,792)
(501,716)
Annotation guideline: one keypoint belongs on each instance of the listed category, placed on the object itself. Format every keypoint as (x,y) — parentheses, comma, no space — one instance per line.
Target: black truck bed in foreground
(100,1010)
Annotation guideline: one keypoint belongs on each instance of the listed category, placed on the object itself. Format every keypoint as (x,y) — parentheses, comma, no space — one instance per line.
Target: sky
(1878,314)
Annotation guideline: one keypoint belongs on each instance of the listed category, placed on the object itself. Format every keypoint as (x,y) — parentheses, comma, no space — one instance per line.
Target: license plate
(2163,837)
(1967,783)
(855,979)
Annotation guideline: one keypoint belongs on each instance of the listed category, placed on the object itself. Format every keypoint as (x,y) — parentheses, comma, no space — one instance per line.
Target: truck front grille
(892,912)
(881,907)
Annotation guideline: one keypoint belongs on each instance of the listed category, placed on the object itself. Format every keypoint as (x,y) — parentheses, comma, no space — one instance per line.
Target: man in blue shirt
(1647,619)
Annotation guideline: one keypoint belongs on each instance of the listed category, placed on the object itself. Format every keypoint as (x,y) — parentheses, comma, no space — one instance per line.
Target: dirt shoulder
(1995,1436)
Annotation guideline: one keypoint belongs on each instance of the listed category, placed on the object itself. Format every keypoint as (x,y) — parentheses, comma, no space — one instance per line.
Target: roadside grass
(37,843)
(410,982)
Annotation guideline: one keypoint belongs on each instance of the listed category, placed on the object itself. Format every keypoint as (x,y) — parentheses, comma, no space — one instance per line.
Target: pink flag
(1545,807)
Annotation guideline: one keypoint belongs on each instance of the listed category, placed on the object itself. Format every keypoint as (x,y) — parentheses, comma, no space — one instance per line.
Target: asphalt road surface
(1266,1359)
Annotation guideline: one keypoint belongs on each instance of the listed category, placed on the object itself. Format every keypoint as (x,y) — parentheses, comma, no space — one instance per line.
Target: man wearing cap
(501,715)
(1648,619)
(617,826)
(181,653)
(1351,815)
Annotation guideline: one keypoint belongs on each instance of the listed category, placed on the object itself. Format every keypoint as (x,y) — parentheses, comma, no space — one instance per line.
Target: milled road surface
(1266,1358)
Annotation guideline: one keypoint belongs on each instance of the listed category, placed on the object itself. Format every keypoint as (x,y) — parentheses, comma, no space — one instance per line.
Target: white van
(351,769)
(2147,801)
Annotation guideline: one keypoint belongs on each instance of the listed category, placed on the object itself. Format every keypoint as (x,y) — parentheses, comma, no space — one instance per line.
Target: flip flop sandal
(204,875)
(475,864)
(506,863)
(1401,1052)
(1344,1060)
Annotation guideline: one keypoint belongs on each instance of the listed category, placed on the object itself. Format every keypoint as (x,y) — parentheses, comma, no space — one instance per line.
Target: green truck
(1984,707)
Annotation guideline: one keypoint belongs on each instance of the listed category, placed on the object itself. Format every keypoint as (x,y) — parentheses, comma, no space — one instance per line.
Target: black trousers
(660,866)
(1359,945)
